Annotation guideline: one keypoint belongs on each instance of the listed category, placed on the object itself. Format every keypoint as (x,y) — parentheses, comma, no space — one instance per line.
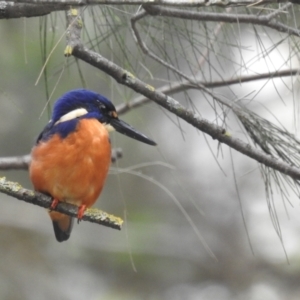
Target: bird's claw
(54,204)
(81,210)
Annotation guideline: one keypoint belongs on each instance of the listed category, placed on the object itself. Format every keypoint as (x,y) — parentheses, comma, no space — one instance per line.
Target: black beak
(126,129)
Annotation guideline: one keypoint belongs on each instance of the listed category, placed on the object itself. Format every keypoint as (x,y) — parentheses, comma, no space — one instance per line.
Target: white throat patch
(108,127)
(72,115)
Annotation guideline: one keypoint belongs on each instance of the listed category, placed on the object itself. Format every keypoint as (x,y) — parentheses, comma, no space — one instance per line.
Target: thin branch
(180,86)
(181,3)
(15,162)
(138,39)
(177,13)
(15,190)
(268,20)
(10,10)
(22,162)
(35,8)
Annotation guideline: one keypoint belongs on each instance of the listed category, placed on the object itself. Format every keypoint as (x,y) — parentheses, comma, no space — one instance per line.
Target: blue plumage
(63,129)
(80,104)
(96,104)
(97,107)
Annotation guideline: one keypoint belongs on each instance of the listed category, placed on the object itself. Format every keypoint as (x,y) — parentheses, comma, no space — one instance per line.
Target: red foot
(54,204)
(81,210)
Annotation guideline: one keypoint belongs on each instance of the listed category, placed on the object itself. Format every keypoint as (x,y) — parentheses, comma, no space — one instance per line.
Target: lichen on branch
(93,215)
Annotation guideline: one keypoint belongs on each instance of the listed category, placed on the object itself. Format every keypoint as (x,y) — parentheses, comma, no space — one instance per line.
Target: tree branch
(183,85)
(177,13)
(22,162)
(77,49)
(181,3)
(91,215)
(15,162)
(268,20)
(10,9)
(216,132)
(29,8)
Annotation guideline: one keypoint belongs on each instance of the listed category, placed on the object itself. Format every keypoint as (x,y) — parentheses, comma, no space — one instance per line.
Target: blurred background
(197,219)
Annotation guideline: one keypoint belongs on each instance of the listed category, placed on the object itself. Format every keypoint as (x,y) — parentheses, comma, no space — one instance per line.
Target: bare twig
(183,85)
(181,3)
(194,15)
(147,51)
(15,162)
(268,20)
(34,8)
(22,162)
(92,215)
(10,9)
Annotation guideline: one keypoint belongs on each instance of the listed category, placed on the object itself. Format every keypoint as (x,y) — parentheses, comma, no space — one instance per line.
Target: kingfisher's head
(85,104)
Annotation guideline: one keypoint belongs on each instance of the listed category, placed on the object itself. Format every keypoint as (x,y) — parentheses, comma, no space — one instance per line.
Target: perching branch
(77,49)
(92,215)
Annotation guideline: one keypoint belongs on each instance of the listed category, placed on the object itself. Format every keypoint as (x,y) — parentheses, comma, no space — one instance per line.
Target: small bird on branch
(72,155)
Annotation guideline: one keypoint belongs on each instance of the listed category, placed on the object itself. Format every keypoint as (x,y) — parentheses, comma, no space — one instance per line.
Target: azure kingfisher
(71,158)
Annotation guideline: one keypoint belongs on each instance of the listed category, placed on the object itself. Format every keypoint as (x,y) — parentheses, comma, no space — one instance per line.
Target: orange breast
(73,169)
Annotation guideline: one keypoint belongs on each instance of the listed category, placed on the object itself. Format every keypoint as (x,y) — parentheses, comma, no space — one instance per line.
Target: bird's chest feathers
(89,142)
(74,167)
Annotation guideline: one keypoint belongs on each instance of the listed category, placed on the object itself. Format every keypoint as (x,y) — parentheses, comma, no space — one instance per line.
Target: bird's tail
(62,225)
